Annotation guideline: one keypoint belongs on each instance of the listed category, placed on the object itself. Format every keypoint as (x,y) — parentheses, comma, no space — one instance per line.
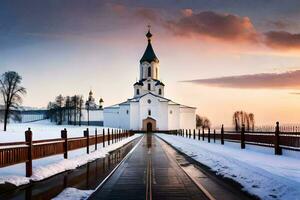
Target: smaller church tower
(149,72)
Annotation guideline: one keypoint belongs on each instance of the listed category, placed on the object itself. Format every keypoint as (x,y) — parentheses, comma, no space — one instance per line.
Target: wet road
(86,177)
(149,173)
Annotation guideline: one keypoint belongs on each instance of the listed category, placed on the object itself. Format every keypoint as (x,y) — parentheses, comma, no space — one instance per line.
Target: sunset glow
(73,47)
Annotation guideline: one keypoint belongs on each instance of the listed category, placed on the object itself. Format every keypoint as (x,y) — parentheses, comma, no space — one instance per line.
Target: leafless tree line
(241,117)
(66,109)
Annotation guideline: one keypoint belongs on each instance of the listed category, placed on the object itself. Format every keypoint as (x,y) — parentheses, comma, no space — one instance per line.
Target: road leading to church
(149,173)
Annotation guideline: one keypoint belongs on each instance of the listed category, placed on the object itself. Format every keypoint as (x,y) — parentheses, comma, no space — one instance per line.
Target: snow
(73,194)
(264,175)
(43,129)
(57,164)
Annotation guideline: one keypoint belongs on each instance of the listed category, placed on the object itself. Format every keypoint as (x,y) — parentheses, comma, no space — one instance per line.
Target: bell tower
(149,72)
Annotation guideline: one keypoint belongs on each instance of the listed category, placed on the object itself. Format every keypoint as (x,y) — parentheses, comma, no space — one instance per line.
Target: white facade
(149,109)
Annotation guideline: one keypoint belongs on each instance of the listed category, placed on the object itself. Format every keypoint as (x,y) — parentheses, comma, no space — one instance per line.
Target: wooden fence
(20,152)
(277,139)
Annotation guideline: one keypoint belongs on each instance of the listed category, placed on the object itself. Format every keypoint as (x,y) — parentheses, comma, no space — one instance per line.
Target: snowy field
(260,172)
(42,130)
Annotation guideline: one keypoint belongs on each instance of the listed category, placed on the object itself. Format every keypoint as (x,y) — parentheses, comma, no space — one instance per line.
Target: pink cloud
(282,40)
(215,25)
(285,80)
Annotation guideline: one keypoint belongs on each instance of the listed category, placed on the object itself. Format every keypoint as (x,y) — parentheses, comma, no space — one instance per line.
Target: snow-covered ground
(49,166)
(260,173)
(73,194)
(42,130)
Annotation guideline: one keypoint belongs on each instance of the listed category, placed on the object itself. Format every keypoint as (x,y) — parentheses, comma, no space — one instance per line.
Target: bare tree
(12,92)
(242,118)
(203,122)
(68,109)
(252,121)
(59,100)
(80,109)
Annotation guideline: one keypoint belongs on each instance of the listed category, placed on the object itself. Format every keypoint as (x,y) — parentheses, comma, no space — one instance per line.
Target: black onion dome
(149,54)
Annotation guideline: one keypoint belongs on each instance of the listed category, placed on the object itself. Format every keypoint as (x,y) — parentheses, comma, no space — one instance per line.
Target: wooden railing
(20,152)
(278,140)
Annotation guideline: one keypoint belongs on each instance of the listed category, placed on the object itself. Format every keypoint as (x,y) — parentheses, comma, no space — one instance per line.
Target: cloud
(282,40)
(147,14)
(279,24)
(216,25)
(295,93)
(285,80)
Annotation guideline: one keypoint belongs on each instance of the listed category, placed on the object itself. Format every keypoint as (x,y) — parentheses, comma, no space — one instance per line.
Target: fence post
(86,134)
(112,135)
(190,134)
(108,137)
(208,135)
(278,150)
(243,137)
(65,145)
(199,134)
(28,139)
(96,138)
(202,133)
(194,134)
(103,137)
(222,135)
(214,135)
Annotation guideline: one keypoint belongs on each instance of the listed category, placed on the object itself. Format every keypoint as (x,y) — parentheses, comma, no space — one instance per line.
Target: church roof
(159,83)
(149,54)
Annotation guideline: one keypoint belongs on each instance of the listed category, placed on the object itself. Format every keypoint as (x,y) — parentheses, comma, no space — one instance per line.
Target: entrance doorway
(149,124)
(149,127)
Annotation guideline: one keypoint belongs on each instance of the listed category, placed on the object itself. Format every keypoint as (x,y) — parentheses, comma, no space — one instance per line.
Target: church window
(149,86)
(156,73)
(149,112)
(127,112)
(137,92)
(149,101)
(159,91)
(149,71)
(171,112)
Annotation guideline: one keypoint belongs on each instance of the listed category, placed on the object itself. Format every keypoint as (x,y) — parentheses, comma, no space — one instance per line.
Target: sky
(219,56)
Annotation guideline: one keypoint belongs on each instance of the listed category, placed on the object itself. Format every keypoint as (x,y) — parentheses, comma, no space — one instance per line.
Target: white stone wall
(173,117)
(187,118)
(134,114)
(111,117)
(124,116)
(95,115)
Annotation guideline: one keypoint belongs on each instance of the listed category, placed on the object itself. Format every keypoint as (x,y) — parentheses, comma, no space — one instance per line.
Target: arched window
(137,92)
(159,91)
(149,112)
(156,71)
(149,71)
(149,86)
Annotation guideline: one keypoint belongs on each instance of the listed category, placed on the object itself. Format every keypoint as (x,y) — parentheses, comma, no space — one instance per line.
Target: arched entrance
(149,124)
(149,127)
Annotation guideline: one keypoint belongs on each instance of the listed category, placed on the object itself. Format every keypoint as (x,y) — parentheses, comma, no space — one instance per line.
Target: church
(149,109)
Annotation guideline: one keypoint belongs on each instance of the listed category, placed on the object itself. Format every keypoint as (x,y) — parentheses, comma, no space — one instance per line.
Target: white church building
(149,109)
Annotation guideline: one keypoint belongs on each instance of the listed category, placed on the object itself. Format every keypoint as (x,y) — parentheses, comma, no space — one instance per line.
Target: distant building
(149,109)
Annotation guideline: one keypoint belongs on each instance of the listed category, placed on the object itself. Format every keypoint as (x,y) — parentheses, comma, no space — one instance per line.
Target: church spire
(149,54)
